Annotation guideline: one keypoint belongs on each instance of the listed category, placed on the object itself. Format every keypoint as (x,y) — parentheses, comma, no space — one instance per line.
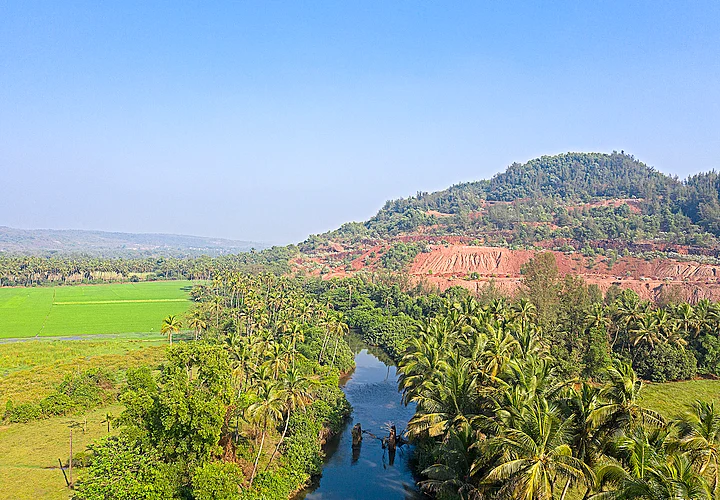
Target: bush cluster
(78,391)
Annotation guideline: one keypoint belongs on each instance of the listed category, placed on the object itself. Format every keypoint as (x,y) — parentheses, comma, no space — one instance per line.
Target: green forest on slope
(552,198)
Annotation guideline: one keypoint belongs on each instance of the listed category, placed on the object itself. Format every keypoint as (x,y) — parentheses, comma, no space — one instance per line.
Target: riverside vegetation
(237,414)
(539,397)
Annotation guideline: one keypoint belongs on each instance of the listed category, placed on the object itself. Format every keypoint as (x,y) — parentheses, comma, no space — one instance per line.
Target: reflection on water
(368,472)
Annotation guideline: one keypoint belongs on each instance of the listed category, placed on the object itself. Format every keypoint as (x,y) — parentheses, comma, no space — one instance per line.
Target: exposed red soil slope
(452,265)
(632,203)
(462,260)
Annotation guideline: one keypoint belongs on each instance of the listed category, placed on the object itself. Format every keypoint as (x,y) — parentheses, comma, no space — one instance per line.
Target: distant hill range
(110,244)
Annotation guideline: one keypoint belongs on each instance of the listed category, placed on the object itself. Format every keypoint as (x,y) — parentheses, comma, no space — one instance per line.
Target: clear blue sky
(273,120)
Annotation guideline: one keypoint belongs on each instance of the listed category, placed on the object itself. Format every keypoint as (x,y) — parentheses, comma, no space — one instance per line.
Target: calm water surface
(372,392)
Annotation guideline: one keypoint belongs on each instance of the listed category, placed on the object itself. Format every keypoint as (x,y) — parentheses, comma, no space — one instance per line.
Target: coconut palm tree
(643,468)
(197,323)
(452,476)
(170,326)
(425,357)
(296,332)
(646,331)
(297,391)
(265,411)
(525,311)
(341,329)
(597,317)
(447,401)
(278,356)
(698,435)
(535,455)
(621,409)
(683,314)
(243,358)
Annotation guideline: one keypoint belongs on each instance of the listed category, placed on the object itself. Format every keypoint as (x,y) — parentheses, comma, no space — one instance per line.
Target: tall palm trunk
(322,351)
(565,490)
(337,340)
(282,438)
(257,459)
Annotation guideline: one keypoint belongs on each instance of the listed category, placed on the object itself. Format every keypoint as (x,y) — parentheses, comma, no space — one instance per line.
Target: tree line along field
(90,309)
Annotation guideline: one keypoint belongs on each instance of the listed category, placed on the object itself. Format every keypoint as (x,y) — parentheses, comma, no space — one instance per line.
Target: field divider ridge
(119,301)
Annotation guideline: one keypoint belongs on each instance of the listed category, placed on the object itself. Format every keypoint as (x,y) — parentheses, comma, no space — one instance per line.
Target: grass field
(29,454)
(672,398)
(90,309)
(30,371)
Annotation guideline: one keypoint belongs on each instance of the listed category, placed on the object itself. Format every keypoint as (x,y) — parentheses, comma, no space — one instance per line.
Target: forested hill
(572,176)
(573,196)
(107,244)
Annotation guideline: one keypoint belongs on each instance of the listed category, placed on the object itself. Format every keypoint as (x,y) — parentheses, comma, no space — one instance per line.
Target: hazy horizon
(270,122)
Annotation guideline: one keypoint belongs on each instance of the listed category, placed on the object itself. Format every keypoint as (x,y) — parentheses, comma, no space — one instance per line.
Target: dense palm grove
(239,412)
(584,328)
(27,270)
(496,419)
(538,397)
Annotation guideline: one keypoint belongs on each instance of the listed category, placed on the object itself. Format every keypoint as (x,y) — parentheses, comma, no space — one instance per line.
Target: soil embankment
(472,267)
(454,262)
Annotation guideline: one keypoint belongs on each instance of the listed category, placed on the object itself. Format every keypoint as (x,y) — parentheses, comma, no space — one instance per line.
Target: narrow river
(368,473)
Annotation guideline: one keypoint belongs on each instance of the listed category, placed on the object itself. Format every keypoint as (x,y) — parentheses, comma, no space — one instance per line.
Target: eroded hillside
(606,217)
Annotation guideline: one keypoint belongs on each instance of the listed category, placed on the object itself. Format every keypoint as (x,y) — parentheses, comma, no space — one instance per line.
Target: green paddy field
(90,309)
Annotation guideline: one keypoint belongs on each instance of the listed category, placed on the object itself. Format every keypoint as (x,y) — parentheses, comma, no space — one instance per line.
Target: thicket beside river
(240,413)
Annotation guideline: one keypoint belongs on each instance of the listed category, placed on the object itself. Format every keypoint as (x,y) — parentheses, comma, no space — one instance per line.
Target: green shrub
(217,481)
(123,469)
(664,362)
(707,351)
(399,256)
(86,389)
(57,404)
(382,330)
(24,413)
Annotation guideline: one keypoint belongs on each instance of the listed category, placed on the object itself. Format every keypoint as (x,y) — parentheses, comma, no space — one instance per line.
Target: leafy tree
(217,481)
(124,469)
(542,286)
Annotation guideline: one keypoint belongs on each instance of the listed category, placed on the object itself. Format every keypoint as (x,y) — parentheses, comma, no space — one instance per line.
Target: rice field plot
(90,309)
